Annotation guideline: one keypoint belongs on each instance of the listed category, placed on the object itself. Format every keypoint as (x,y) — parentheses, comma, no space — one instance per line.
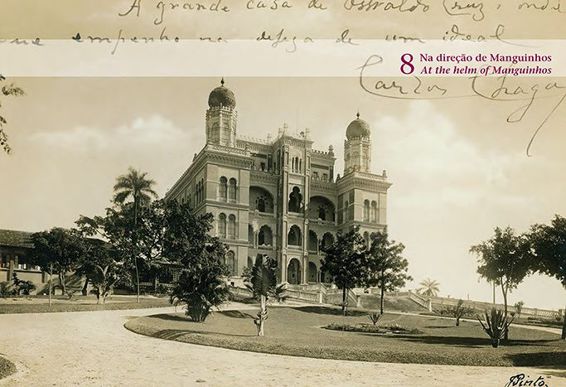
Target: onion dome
(222,97)
(357,129)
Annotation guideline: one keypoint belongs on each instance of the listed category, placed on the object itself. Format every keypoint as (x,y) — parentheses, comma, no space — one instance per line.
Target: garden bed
(394,329)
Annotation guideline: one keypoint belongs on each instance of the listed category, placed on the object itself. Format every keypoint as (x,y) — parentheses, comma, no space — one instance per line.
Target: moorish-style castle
(280,197)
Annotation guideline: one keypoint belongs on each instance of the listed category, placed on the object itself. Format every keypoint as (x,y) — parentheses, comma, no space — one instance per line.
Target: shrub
(201,288)
(458,311)
(22,287)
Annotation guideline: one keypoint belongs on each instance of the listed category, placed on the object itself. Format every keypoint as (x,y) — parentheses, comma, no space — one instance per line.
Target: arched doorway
(294,272)
(312,272)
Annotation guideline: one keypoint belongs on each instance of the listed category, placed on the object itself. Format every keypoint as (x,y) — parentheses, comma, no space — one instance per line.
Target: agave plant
(496,324)
(374,317)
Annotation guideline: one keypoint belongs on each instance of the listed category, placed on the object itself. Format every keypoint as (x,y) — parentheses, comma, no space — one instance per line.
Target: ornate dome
(222,96)
(357,128)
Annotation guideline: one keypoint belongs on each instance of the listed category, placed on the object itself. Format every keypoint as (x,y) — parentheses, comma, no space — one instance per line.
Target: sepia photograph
(282,193)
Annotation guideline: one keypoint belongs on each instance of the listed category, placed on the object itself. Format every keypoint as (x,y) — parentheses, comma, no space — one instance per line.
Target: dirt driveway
(93,349)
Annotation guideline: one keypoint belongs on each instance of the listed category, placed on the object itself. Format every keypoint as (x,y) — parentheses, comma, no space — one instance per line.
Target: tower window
(232,227)
(232,190)
(223,188)
(374,214)
(366,211)
(222,225)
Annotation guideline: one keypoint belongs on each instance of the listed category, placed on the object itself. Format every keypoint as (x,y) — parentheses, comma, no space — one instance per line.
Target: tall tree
(7,91)
(58,248)
(387,268)
(135,186)
(116,228)
(429,287)
(505,259)
(345,261)
(549,245)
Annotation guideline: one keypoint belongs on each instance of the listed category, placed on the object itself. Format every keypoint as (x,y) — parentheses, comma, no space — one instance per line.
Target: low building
(15,258)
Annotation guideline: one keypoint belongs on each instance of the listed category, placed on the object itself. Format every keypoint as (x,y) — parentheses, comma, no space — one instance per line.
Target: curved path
(93,349)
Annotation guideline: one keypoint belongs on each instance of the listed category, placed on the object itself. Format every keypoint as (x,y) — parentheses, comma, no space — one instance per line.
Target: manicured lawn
(7,368)
(299,332)
(77,304)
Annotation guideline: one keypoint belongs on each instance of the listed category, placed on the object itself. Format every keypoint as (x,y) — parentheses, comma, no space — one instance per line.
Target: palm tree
(138,187)
(261,280)
(429,288)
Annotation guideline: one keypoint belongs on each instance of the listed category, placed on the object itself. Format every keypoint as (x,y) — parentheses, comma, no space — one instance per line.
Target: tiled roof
(13,238)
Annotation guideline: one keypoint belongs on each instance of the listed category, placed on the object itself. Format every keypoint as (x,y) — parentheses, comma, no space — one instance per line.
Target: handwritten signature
(525,380)
(523,92)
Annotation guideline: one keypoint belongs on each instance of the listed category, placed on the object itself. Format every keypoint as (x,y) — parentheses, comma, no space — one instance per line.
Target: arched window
(222,225)
(265,236)
(232,190)
(232,226)
(374,211)
(295,200)
(313,241)
(346,206)
(294,236)
(321,208)
(230,262)
(327,240)
(313,272)
(223,188)
(261,200)
(366,210)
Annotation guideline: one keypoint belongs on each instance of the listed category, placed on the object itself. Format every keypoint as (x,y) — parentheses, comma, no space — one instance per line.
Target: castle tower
(357,147)
(221,117)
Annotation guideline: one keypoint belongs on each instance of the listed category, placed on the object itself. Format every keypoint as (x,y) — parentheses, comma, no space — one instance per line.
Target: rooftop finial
(358,114)
(222,81)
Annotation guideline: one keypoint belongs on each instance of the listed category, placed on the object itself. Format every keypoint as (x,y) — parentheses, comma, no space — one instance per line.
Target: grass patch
(7,368)
(297,332)
(77,304)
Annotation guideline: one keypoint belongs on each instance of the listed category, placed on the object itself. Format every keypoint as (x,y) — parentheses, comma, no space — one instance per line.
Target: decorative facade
(280,197)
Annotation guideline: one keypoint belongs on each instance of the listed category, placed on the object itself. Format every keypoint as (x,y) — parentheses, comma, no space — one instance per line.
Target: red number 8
(407,60)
